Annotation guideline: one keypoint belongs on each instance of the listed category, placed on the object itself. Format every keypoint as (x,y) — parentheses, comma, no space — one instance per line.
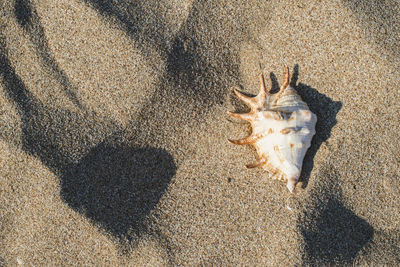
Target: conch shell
(282,129)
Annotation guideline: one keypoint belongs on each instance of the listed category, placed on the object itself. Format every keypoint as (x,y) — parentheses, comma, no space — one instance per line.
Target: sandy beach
(114,128)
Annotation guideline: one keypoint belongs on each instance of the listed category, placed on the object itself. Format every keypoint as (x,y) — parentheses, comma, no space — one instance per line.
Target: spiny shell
(282,129)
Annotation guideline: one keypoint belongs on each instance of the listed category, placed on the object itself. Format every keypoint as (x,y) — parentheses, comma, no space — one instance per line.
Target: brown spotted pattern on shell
(282,129)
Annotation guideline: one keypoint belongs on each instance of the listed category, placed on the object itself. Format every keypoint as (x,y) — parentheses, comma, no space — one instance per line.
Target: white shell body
(283,127)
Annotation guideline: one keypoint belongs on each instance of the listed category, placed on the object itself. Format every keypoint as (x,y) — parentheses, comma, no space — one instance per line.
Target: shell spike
(250,101)
(259,162)
(247,141)
(286,80)
(242,116)
(284,85)
(263,94)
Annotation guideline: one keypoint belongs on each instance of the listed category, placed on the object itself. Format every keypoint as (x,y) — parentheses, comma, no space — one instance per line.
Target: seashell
(282,129)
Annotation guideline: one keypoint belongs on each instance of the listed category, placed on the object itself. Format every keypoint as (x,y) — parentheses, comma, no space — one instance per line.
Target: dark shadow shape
(181,57)
(274,83)
(113,184)
(332,233)
(23,12)
(194,75)
(326,110)
(140,23)
(295,76)
(45,130)
(30,22)
(120,11)
(117,186)
(191,72)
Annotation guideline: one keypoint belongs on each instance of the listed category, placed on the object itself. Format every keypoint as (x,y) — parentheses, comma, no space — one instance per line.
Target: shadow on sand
(332,233)
(29,20)
(115,185)
(118,186)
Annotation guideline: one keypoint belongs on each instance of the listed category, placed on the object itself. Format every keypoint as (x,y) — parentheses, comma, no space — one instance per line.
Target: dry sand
(114,132)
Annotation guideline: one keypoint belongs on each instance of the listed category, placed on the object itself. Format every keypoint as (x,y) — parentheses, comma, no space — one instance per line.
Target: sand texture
(114,127)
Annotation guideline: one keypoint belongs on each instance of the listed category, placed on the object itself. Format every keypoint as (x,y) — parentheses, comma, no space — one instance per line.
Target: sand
(113,133)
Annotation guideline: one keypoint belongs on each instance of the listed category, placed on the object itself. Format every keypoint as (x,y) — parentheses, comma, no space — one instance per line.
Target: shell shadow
(326,110)
(332,233)
(274,83)
(115,185)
